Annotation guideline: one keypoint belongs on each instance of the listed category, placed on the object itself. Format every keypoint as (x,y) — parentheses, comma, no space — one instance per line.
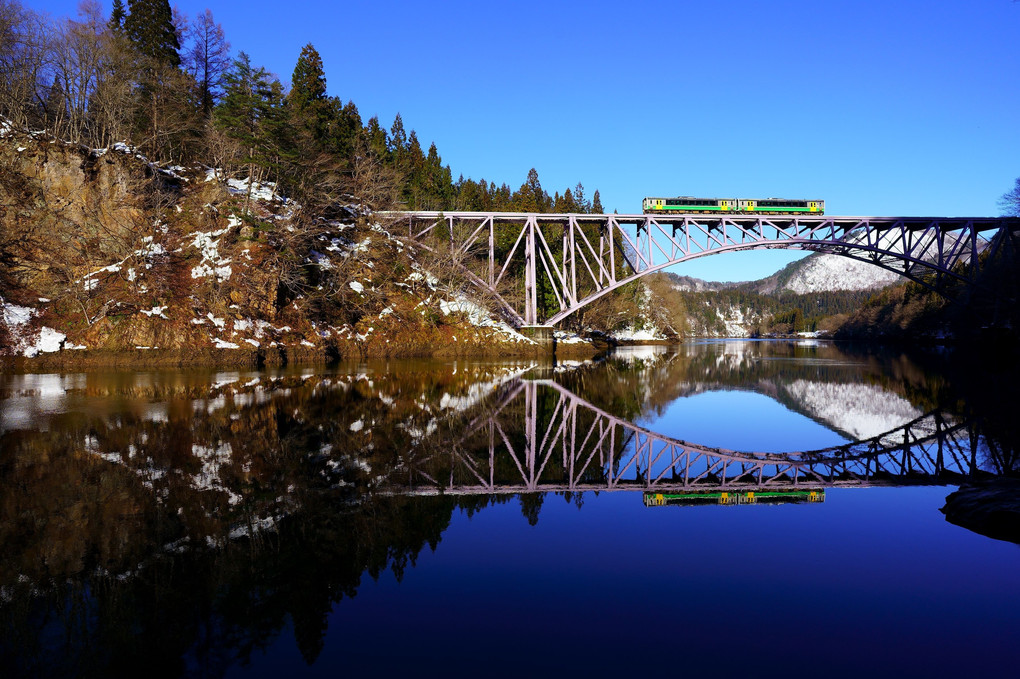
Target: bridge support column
(542,334)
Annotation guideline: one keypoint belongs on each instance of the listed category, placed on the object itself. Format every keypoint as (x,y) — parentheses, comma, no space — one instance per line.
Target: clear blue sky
(896,108)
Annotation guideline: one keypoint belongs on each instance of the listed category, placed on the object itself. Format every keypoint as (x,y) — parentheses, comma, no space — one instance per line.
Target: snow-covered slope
(860,410)
(821,273)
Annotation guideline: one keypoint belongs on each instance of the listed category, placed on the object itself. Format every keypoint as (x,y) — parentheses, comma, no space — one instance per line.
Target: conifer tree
(596,204)
(583,205)
(150,27)
(308,82)
(378,141)
(117,16)
(251,114)
(569,203)
(398,138)
(531,197)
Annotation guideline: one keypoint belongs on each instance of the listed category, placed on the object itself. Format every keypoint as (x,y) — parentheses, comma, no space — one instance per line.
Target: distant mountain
(815,273)
(825,273)
(690,284)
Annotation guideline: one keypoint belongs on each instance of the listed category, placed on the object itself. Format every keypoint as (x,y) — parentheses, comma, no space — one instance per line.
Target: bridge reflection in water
(538,436)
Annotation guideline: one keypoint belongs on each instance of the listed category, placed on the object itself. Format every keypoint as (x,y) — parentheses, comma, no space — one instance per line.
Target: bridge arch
(592,255)
(575,446)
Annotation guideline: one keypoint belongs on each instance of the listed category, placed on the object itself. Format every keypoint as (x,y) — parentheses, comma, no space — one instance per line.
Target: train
(768,206)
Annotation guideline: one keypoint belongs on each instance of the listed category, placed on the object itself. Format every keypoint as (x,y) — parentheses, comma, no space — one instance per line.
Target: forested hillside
(159,190)
(175,89)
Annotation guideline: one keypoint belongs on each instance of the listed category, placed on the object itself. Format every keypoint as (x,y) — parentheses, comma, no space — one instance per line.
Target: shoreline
(79,359)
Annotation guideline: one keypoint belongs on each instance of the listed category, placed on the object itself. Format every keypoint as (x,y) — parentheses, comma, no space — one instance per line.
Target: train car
(689,204)
(783,206)
(768,206)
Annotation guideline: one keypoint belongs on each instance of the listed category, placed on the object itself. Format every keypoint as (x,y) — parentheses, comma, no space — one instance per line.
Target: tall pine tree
(117,15)
(150,28)
(308,83)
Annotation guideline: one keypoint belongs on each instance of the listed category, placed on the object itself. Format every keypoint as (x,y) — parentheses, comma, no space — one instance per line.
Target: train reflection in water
(772,497)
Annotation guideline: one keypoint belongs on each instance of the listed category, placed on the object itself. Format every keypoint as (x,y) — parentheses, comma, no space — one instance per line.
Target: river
(718,507)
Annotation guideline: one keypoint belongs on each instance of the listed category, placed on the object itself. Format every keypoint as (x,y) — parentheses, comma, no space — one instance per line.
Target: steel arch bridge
(521,445)
(580,257)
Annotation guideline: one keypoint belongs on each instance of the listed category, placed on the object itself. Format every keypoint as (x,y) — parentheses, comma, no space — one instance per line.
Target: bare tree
(113,104)
(372,181)
(208,59)
(23,54)
(1009,203)
(79,66)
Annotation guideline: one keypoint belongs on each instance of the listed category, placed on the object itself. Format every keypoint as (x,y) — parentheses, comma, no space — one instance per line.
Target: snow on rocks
(241,187)
(481,318)
(155,311)
(26,341)
(212,264)
(563,337)
(634,335)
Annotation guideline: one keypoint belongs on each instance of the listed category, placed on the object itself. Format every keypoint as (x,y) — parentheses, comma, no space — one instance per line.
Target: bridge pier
(541,334)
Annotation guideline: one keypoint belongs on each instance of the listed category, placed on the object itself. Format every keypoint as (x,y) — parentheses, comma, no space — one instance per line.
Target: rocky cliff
(106,252)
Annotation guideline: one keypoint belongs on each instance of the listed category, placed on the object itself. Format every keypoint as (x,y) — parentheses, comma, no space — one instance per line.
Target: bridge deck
(841,221)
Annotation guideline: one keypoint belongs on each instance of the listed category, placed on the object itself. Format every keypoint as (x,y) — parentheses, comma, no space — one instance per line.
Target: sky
(898,108)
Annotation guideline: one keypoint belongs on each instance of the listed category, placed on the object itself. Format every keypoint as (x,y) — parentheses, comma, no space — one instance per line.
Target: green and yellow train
(768,206)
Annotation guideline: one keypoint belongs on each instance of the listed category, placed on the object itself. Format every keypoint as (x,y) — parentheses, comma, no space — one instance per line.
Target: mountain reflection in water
(184,520)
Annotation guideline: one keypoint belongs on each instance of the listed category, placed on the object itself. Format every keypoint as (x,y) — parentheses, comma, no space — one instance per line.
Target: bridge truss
(522,445)
(580,257)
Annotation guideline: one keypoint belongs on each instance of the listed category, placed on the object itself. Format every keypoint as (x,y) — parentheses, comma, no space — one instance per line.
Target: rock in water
(990,508)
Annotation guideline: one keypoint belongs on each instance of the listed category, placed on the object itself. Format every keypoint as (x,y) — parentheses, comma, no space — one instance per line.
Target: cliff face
(102,250)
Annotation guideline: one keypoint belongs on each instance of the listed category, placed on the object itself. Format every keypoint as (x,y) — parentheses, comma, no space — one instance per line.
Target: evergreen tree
(150,28)
(596,204)
(378,141)
(251,114)
(531,197)
(583,204)
(117,16)
(398,138)
(569,203)
(346,129)
(308,83)
(55,106)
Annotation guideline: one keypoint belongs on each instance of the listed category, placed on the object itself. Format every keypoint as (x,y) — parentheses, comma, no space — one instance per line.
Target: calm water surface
(725,508)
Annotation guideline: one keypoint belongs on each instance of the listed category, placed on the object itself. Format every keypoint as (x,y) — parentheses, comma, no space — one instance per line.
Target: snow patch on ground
(212,264)
(481,318)
(632,335)
(240,187)
(25,340)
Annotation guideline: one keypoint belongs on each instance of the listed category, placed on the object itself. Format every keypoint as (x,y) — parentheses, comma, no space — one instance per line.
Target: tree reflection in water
(180,522)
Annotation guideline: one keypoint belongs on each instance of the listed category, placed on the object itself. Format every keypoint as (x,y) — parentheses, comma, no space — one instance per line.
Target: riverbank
(448,345)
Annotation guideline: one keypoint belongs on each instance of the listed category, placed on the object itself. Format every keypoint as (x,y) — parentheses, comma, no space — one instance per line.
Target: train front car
(768,206)
(781,206)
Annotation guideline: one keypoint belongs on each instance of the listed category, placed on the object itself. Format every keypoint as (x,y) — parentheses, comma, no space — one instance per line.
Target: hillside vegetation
(107,251)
